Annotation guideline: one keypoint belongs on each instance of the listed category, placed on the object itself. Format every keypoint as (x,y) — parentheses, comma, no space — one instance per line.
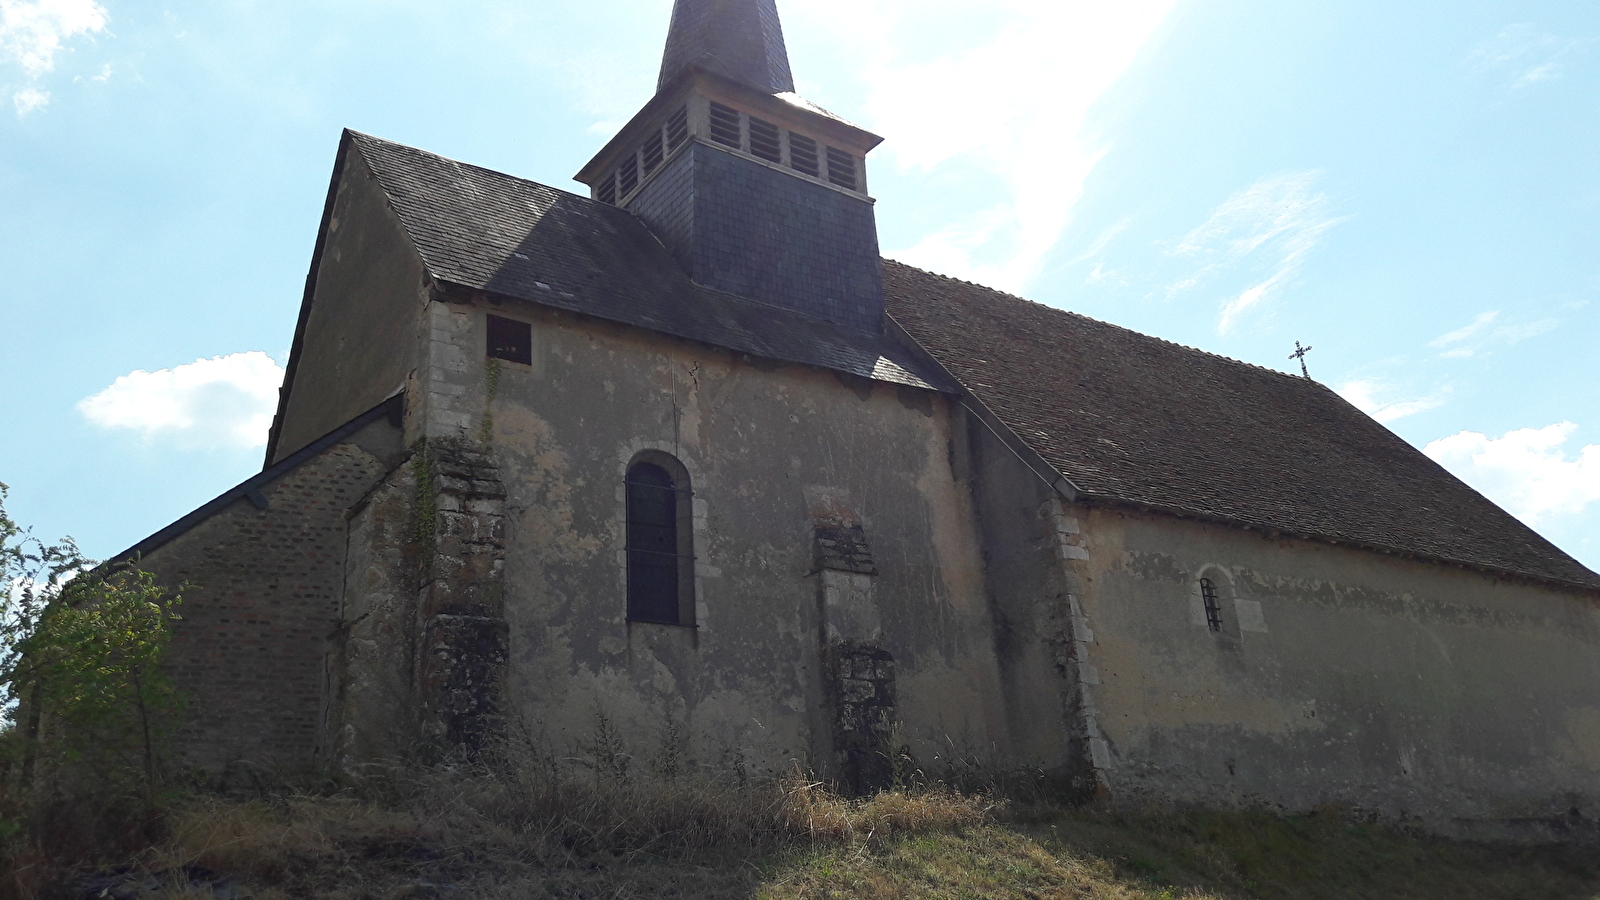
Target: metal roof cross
(1300,354)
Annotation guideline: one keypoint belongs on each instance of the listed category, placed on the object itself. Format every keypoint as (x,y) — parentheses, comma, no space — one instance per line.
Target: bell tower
(754,190)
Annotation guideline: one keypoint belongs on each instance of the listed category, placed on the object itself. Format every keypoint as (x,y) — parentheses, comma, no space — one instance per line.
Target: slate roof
(1134,419)
(489,231)
(741,39)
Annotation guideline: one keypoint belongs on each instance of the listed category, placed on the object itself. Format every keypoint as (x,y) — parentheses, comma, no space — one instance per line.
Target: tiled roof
(489,231)
(1133,419)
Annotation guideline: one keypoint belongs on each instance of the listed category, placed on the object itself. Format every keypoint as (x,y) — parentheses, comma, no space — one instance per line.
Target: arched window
(660,542)
(1208,596)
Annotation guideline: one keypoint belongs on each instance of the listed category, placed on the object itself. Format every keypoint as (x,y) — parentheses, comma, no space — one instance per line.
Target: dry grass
(509,833)
(990,862)
(530,830)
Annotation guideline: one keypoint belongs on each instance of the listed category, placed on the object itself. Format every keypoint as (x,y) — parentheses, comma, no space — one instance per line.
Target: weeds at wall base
(525,822)
(540,826)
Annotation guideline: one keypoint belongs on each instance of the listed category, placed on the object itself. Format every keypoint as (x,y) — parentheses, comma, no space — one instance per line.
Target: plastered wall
(743,688)
(1338,676)
(360,337)
(1039,643)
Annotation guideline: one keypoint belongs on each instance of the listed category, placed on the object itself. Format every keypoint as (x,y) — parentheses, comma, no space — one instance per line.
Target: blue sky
(1412,189)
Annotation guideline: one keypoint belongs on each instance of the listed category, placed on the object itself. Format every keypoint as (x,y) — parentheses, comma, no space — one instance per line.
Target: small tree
(80,668)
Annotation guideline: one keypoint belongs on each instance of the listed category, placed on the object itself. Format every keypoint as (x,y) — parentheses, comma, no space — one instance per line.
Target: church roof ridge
(1102,322)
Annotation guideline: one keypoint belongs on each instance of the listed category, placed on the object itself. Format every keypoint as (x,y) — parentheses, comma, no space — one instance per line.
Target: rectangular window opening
(764,140)
(607,191)
(725,125)
(510,340)
(678,128)
(803,155)
(841,169)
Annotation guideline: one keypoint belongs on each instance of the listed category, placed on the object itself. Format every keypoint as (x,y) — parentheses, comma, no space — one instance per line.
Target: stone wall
(359,338)
(374,710)
(1040,640)
(461,598)
(748,686)
(1337,676)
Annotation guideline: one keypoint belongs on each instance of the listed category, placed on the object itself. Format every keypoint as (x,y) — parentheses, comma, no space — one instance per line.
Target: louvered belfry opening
(755,191)
(803,155)
(725,127)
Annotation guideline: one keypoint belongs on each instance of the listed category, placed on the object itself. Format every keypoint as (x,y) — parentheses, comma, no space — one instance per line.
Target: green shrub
(85,746)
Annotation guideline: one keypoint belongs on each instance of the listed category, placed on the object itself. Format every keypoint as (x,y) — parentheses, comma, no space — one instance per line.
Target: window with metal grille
(651,154)
(725,125)
(803,154)
(627,175)
(510,340)
(764,140)
(1208,596)
(677,128)
(607,191)
(660,543)
(841,168)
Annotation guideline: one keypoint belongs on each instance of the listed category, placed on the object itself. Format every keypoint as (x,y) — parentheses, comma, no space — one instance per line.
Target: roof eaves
(1275,531)
(392,408)
(936,380)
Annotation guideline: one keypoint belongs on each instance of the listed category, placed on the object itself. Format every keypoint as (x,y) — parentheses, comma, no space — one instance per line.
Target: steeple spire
(739,39)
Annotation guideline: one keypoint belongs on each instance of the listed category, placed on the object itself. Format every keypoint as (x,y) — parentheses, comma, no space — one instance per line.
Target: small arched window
(1208,597)
(660,542)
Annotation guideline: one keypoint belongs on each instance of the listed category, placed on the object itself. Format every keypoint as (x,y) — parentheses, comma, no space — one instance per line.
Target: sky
(1411,189)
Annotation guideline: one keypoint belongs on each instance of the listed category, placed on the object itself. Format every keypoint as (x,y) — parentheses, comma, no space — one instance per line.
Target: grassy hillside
(481,836)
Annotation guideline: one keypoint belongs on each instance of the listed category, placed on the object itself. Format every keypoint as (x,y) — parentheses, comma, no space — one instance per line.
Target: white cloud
(1261,237)
(32,33)
(1012,102)
(1523,55)
(1482,332)
(1527,471)
(225,401)
(1365,396)
(29,99)
(1484,320)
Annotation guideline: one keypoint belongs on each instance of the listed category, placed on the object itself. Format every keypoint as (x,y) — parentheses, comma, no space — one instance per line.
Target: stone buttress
(461,599)
(859,671)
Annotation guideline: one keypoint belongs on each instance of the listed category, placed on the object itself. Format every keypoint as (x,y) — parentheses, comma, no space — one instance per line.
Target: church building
(686,465)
